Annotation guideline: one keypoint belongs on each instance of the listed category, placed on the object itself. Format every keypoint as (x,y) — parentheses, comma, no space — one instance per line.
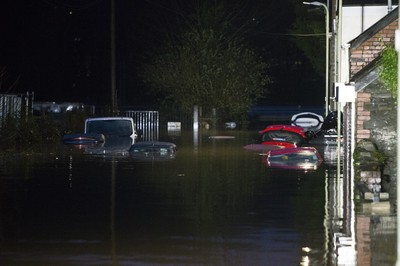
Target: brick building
(367,46)
(376,114)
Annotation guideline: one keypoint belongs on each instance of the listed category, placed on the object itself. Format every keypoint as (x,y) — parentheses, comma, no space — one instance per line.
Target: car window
(110,127)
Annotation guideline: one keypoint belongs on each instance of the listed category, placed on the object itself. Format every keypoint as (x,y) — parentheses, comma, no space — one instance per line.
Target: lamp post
(326,52)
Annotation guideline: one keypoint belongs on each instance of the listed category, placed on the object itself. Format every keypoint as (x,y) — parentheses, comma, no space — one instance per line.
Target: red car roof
(294,129)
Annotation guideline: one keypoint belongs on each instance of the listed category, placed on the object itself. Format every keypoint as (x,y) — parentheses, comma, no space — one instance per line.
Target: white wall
(356,19)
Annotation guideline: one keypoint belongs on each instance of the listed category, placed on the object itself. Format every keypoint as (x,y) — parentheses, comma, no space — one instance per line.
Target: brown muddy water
(215,203)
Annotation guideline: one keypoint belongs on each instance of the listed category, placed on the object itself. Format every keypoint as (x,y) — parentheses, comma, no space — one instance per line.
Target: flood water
(215,203)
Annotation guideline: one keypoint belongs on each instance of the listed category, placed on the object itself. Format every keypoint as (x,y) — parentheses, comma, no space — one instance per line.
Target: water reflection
(216,204)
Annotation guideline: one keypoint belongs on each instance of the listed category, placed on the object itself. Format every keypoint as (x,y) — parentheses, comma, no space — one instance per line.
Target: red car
(284,136)
(303,158)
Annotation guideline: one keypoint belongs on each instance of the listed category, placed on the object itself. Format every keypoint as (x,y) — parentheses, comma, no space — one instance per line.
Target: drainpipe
(362,18)
(339,43)
(196,126)
(113,62)
(390,6)
(397,46)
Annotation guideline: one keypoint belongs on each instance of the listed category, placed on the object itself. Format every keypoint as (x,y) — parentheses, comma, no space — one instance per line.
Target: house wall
(363,115)
(360,18)
(370,49)
(377,119)
(376,113)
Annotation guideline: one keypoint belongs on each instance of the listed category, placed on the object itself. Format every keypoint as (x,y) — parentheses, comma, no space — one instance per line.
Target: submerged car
(285,136)
(111,127)
(302,158)
(107,135)
(153,150)
(328,133)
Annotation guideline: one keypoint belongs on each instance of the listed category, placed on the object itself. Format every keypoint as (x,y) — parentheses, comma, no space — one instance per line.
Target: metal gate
(147,123)
(14,106)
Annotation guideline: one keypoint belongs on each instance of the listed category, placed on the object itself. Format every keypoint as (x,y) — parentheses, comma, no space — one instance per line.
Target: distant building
(58,108)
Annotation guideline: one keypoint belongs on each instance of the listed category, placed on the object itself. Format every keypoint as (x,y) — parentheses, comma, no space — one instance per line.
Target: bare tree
(209,64)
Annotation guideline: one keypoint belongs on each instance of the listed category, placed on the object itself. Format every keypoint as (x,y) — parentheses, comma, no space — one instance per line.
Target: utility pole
(397,46)
(113,63)
(332,54)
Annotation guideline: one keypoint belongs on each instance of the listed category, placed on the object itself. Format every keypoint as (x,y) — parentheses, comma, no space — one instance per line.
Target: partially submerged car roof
(109,118)
(295,129)
(153,150)
(154,144)
(283,135)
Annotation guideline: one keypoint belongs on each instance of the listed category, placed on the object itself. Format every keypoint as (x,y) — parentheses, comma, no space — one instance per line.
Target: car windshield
(110,127)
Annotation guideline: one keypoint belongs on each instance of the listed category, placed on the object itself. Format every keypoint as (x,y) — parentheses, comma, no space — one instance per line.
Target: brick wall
(363,115)
(363,231)
(376,117)
(370,49)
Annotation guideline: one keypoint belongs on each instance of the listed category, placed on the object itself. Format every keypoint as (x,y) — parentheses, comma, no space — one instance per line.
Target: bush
(388,69)
(20,134)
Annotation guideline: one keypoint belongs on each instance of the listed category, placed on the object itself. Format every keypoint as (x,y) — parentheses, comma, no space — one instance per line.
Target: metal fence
(147,123)
(348,140)
(14,106)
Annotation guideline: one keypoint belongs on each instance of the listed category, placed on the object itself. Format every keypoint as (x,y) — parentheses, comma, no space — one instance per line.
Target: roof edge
(366,75)
(371,31)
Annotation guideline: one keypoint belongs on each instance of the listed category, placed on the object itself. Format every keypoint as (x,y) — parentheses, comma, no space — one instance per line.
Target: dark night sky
(57,50)
(60,49)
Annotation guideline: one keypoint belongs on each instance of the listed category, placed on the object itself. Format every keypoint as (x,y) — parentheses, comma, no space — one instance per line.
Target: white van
(119,134)
(111,127)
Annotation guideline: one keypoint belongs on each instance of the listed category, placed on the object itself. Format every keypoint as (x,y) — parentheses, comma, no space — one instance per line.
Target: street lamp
(326,53)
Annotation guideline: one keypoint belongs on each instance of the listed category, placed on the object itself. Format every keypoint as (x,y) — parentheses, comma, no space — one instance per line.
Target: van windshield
(110,127)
